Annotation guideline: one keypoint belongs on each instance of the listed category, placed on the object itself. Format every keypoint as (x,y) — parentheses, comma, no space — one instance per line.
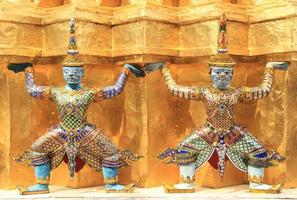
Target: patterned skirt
(205,144)
(90,146)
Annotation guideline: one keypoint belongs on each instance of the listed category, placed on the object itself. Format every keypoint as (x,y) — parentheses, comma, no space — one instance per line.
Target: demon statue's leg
(111,181)
(256,176)
(187,178)
(42,174)
(187,170)
(110,173)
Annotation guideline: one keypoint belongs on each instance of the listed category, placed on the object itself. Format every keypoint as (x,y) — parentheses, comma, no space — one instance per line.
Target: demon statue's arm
(34,90)
(116,89)
(186,92)
(254,93)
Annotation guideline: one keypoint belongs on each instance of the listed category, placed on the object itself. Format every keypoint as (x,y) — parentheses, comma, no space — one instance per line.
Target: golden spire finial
(222,58)
(72,59)
(222,37)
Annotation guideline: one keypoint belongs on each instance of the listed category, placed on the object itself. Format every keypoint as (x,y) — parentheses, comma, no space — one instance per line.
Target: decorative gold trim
(275,189)
(126,71)
(269,70)
(246,89)
(221,64)
(127,189)
(169,188)
(186,158)
(72,61)
(47,92)
(255,179)
(43,180)
(111,180)
(23,190)
(29,70)
(187,179)
(99,94)
(181,160)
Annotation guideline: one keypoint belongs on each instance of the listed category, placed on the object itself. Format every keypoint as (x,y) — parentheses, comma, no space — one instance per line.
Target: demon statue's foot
(184,186)
(179,188)
(42,174)
(187,175)
(116,188)
(34,189)
(256,177)
(111,181)
(265,188)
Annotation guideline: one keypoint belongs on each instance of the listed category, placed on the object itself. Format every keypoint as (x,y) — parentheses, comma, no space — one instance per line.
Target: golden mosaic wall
(112,32)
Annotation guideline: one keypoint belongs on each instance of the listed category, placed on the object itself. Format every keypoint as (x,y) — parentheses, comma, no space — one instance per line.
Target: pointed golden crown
(222,58)
(72,59)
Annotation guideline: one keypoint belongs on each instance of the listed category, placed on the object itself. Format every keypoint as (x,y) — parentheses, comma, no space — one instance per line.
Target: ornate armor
(220,135)
(74,140)
(74,136)
(220,138)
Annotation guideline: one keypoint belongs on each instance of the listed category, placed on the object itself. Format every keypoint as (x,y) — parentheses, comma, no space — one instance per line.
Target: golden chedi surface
(146,118)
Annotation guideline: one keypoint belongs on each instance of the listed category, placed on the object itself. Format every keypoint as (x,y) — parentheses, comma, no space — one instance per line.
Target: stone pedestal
(156,193)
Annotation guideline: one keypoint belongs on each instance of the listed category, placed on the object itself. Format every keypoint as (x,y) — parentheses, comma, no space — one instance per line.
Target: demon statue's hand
(18,67)
(135,69)
(150,67)
(278,65)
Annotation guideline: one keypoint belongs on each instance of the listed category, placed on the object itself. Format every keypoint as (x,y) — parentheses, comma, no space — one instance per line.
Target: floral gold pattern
(255,179)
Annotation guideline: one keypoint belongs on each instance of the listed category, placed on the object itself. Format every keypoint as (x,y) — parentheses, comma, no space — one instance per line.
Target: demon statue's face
(73,75)
(221,77)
